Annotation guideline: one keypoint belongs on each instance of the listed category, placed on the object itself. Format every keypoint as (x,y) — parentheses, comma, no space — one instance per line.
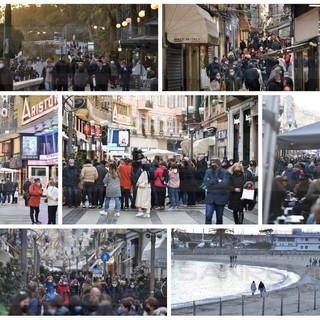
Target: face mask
(218,78)
(114,285)
(50,281)
(216,61)
(25,309)
(147,309)
(1,65)
(132,286)
(175,170)
(77,309)
(234,65)
(120,311)
(65,283)
(122,66)
(214,167)
(231,74)
(71,164)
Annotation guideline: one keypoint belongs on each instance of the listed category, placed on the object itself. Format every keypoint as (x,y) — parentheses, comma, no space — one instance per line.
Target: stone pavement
(20,214)
(185,215)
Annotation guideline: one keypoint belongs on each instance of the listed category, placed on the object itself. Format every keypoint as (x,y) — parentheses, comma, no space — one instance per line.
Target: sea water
(209,281)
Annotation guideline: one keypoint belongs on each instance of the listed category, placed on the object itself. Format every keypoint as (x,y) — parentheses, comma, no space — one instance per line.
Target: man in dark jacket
(233,83)
(214,68)
(217,182)
(99,188)
(251,78)
(71,176)
(6,81)
(62,69)
(102,75)
(275,84)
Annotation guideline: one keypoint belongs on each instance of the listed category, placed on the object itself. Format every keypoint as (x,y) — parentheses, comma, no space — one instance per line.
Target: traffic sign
(105,257)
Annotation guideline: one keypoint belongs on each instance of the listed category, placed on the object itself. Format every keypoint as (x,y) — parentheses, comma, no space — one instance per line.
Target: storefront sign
(6,147)
(124,138)
(29,147)
(49,156)
(121,114)
(187,40)
(222,134)
(31,113)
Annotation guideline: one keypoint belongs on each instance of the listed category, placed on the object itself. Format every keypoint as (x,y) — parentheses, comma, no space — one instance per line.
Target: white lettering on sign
(37,111)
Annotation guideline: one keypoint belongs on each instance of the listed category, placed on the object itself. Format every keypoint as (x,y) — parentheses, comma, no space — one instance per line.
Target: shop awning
(190,24)
(160,250)
(135,42)
(295,48)
(201,147)
(304,138)
(244,25)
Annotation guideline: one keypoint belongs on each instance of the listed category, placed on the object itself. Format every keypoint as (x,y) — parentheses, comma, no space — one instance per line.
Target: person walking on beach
(262,288)
(253,287)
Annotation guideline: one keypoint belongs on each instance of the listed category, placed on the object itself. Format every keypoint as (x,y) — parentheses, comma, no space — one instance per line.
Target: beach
(309,280)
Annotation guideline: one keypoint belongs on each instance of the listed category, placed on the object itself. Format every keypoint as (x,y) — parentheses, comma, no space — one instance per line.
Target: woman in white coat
(52,195)
(143,199)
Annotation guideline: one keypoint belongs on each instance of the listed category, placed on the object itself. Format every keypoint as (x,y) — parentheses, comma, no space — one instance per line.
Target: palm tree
(222,235)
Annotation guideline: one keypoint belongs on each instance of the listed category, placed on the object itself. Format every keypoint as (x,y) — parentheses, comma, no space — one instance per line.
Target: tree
(10,281)
(142,279)
(222,235)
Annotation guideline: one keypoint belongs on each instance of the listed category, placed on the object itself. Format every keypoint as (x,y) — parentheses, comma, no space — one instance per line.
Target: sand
(309,281)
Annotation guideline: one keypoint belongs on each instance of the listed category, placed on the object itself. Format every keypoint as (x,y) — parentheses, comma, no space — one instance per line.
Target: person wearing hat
(217,181)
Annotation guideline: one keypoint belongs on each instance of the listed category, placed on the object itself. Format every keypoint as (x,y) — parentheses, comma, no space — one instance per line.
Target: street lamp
(36,237)
(152,235)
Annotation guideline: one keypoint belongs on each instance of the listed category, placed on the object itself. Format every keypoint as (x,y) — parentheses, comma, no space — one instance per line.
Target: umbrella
(159,152)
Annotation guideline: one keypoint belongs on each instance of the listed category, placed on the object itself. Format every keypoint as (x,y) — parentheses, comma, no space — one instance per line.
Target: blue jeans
(210,208)
(107,201)
(173,196)
(48,86)
(72,195)
(184,197)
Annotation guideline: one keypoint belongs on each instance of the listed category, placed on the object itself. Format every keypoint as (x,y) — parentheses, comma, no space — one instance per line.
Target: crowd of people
(252,66)
(144,184)
(77,71)
(296,187)
(76,294)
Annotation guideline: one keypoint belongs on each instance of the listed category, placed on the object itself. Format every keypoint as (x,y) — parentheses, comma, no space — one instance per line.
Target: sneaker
(90,207)
(117,214)
(93,207)
(126,208)
(157,208)
(100,207)
(103,213)
(162,208)
(38,222)
(83,206)
(140,214)
(171,209)
(146,215)
(176,208)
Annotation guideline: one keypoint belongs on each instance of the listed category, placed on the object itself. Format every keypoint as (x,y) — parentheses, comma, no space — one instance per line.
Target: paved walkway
(185,215)
(20,214)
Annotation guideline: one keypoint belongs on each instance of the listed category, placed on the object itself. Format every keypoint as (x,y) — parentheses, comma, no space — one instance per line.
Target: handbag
(26,196)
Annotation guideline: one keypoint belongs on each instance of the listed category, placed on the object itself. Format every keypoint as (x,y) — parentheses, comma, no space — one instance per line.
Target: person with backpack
(161,179)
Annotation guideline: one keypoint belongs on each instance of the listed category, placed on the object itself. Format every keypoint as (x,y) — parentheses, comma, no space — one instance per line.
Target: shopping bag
(247,194)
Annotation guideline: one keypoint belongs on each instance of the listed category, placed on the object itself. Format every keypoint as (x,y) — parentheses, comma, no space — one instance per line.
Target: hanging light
(138,19)
(142,13)
(154,6)
(124,23)
(103,28)
(129,20)
(119,49)
(95,27)
(118,25)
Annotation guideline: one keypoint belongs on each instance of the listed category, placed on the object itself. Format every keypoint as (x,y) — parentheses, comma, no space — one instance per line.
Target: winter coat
(187,179)
(253,287)
(125,73)
(252,79)
(314,191)
(236,181)
(112,186)
(217,192)
(114,69)
(70,176)
(213,69)
(6,81)
(174,179)
(81,78)
(64,292)
(157,177)
(35,192)
(125,176)
(102,171)
(62,69)
(275,86)
(143,199)
(88,173)
(102,75)
(233,83)
(292,175)
(52,195)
